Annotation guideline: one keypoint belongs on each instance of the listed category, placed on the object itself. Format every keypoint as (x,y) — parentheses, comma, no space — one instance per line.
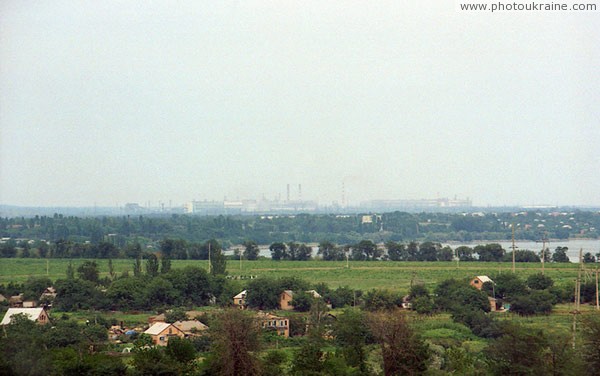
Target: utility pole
(597,297)
(577,296)
(209,264)
(543,253)
(514,248)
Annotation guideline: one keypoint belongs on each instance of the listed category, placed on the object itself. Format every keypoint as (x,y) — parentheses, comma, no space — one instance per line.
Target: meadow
(363,275)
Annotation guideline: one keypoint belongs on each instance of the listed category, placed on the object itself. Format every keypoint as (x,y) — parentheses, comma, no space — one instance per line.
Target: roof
(314,293)
(289,292)
(241,295)
(157,328)
(32,314)
(188,325)
(484,278)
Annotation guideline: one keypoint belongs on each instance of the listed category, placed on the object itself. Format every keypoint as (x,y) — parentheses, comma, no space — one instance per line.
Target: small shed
(479,280)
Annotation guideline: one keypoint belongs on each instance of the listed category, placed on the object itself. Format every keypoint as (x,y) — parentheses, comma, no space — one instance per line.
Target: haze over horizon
(109,102)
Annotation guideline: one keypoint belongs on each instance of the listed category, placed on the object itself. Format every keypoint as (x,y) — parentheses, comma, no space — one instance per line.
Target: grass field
(395,276)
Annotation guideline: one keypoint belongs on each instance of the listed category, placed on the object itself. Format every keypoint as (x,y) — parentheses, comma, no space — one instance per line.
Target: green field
(362,275)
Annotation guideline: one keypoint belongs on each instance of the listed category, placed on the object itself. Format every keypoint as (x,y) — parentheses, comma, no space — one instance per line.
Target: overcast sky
(109,102)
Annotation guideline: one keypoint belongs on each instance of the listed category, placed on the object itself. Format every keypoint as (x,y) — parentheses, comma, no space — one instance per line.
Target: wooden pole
(513,248)
(597,295)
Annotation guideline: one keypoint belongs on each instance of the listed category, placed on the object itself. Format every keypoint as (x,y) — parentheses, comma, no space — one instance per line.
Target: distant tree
(174,248)
(176,314)
(588,258)
(251,250)
(303,253)
(509,285)
(560,254)
(70,271)
(533,302)
(396,251)
(218,262)
(490,252)
(445,254)
(133,251)
(137,266)
(151,265)
(193,284)
(366,250)
(263,293)
(302,301)
(88,271)
(376,300)
(111,269)
(413,251)
(329,251)
(428,251)
(539,281)
(165,264)
(278,251)
(465,253)
(522,255)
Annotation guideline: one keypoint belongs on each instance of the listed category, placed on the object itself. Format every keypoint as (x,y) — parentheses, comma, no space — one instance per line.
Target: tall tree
(403,351)
(251,250)
(151,265)
(88,271)
(278,251)
(235,342)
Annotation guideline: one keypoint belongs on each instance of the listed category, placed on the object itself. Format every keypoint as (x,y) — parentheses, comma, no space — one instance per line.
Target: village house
(162,331)
(191,328)
(280,324)
(478,281)
(38,315)
(286,297)
(240,300)
(48,295)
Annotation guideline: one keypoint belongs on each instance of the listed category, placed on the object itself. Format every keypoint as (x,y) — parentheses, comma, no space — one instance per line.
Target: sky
(112,102)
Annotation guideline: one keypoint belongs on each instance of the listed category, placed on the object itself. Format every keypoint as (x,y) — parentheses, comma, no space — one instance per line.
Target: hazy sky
(110,102)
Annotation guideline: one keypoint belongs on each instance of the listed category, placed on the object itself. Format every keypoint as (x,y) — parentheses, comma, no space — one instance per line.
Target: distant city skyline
(108,103)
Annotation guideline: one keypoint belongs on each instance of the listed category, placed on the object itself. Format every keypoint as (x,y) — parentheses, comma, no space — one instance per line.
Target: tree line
(306,228)
(364,250)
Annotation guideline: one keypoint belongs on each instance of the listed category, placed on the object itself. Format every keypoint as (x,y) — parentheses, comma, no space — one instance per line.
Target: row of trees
(364,250)
(305,228)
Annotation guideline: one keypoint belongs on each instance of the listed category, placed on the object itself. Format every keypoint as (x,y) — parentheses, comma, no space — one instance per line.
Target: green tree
(519,351)
(351,334)
(151,265)
(560,255)
(278,251)
(539,281)
(235,343)
(251,250)
(263,293)
(366,250)
(403,351)
(88,271)
(165,264)
(591,345)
